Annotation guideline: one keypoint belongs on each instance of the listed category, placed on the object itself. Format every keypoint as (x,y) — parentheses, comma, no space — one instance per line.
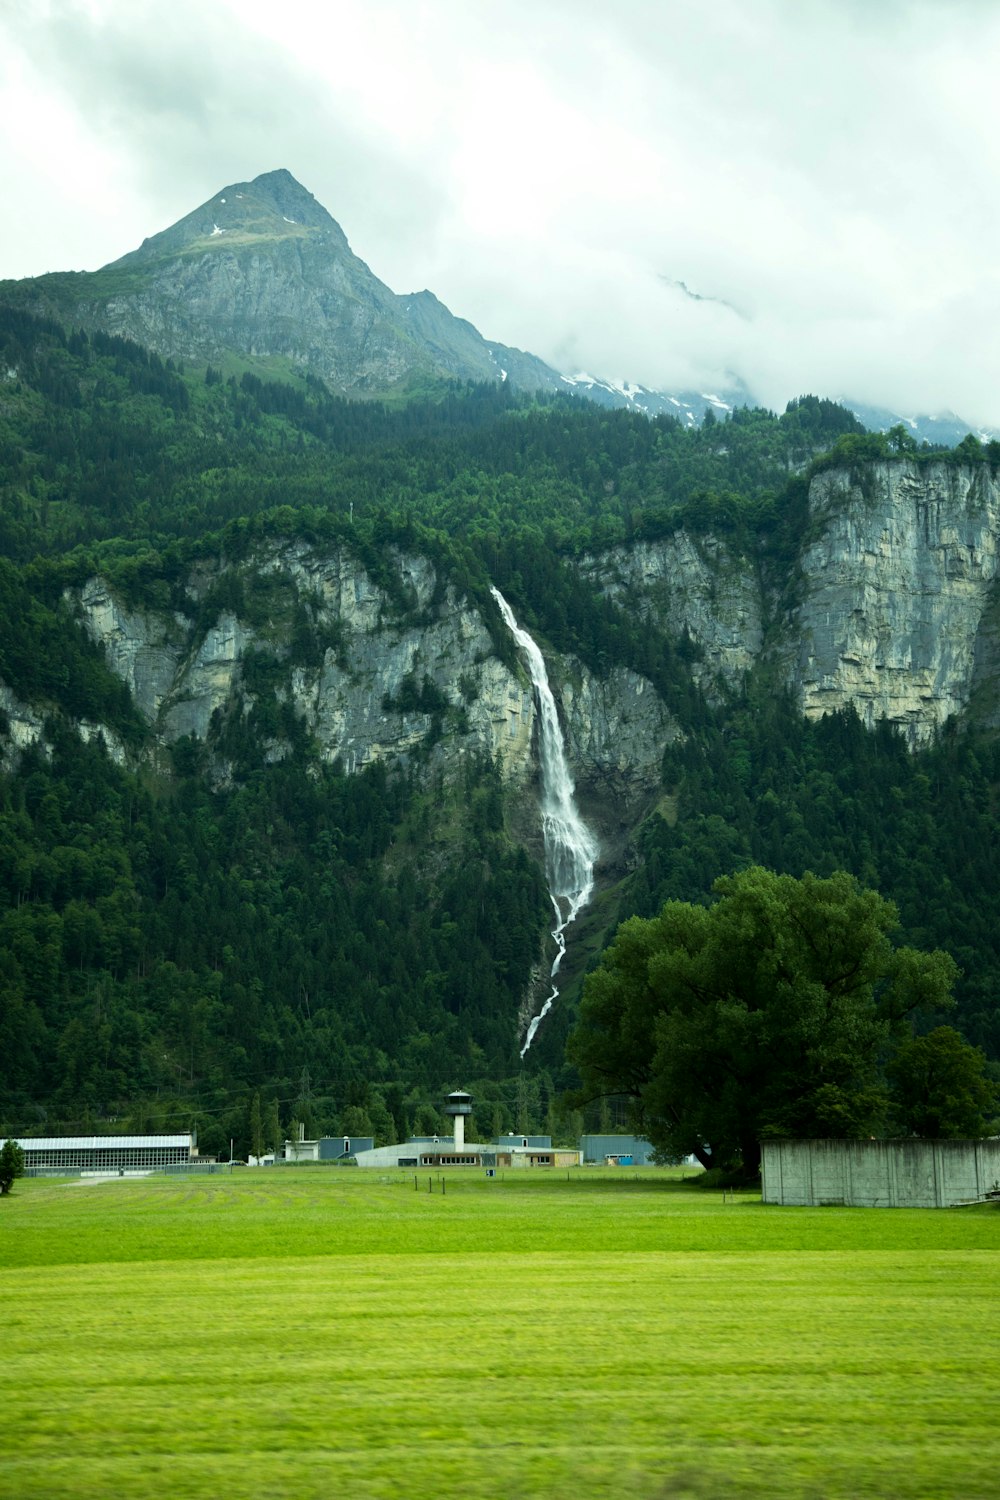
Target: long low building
(496,1155)
(50,1155)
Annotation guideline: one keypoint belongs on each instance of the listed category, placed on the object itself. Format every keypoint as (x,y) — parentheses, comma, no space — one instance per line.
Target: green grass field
(327,1333)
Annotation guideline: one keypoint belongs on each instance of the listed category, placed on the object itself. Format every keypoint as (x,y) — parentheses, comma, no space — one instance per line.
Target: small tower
(459,1104)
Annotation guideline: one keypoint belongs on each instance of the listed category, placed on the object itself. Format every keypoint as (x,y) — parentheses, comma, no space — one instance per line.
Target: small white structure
(300,1149)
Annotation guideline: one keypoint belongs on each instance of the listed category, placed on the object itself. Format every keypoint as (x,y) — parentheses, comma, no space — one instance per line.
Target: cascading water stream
(570,846)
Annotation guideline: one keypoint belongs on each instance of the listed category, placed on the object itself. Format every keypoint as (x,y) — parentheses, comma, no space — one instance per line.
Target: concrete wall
(388,1156)
(879,1174)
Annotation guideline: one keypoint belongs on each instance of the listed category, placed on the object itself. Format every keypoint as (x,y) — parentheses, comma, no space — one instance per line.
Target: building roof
(100,1142)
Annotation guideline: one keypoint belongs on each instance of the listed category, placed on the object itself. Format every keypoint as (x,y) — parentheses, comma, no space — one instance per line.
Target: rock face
(420,681)
(897,585)
(262,269)
(142,648)
(698,586)
(23,727)
(894,605)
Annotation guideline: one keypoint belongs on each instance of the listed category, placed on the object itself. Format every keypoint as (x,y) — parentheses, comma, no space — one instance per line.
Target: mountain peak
(262,271)
(286,195)
(273,206)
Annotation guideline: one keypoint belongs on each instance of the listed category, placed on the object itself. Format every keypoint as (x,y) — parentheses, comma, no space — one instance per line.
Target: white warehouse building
(49,1156)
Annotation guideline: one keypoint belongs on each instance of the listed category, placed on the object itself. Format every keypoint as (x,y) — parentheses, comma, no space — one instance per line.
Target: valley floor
(319,1332)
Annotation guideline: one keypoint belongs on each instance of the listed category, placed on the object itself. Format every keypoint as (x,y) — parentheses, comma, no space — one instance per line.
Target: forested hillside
(190,920)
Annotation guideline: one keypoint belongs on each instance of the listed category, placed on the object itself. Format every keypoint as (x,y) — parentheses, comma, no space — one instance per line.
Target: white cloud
(549,168)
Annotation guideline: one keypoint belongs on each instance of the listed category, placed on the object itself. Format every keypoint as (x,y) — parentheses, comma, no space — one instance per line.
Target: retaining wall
(879,1174)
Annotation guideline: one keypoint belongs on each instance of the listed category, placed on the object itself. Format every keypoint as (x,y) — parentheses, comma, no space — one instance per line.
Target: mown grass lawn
(318,1333)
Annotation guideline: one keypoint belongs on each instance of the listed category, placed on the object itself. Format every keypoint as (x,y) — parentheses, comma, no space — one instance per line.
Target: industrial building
(50,1156)
(454,1151)
(907,1173)
(506,1151)
(327,1148)
(617,1150)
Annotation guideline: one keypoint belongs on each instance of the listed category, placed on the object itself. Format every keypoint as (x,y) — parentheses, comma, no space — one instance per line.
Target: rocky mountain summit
(262,270)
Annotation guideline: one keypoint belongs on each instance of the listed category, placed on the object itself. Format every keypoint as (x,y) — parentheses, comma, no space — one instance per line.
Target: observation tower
(458,1105)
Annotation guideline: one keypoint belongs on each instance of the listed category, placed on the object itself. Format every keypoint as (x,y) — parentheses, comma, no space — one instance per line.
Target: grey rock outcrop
(24,728)
(698,586)
(141,647)
(893,605)
(421,681)
(616,729)
(897,581)
(206,681)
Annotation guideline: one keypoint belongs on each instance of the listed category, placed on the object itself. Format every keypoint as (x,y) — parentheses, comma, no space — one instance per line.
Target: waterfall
(570,846)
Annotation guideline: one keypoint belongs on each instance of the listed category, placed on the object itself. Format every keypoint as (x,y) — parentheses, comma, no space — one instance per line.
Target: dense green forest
(101,440)
(170,941)
(352,946)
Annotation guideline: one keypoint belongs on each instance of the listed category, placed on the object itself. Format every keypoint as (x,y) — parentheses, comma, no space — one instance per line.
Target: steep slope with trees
(193,917)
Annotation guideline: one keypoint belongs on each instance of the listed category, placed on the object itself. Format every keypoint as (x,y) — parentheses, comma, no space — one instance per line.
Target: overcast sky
(822,174)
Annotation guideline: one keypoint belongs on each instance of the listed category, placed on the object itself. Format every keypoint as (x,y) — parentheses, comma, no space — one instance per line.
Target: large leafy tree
(765,1014)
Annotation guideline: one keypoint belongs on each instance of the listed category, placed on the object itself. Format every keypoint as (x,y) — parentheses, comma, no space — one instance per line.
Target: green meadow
(327,1333)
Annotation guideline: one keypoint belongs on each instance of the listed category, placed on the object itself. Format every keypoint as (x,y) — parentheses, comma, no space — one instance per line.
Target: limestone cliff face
(23,727)
(701,587)
(896,588)
(418,678)
(606,721)
(894,603)
(144,649)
